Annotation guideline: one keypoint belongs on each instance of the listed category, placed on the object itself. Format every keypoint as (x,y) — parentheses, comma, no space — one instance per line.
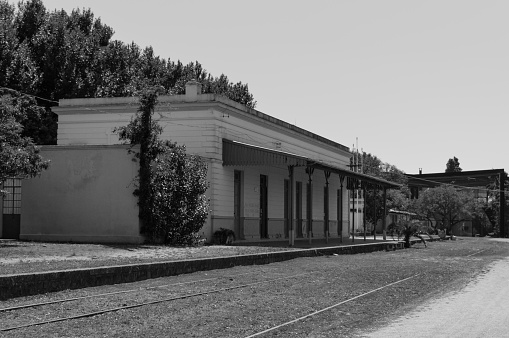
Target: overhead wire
(460,186)
(258,140)
(37,97)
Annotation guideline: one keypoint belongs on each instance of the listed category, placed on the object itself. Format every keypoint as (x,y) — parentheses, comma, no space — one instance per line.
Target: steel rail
(18,307)
(477,252)
(329,307)
(95,313)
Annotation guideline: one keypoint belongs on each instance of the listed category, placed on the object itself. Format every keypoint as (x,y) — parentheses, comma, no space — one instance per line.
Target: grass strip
(95,313)
(329,307)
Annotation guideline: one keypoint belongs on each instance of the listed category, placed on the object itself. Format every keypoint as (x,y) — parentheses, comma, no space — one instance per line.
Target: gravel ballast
(319,282)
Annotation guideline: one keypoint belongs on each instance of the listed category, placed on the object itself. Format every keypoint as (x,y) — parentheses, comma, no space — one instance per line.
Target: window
(12,199)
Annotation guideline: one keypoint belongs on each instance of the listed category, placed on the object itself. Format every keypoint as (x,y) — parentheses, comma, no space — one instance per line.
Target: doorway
(287,207)
(264,219)
(298,208)
(238,224)
(326,211)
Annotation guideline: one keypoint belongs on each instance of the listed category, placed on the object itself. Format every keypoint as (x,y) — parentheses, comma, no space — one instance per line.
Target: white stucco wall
(200,123)
(84,196)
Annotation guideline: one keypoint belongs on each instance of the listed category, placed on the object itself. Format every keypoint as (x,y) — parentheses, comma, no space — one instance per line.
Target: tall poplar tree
(59,55)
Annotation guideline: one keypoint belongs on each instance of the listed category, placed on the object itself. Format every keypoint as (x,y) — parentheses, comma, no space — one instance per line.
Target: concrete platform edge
(12,286)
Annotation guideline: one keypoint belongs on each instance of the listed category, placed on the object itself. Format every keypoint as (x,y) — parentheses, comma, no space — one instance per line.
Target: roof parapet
(193,89)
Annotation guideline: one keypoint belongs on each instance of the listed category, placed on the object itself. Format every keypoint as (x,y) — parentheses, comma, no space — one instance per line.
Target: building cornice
(129,105)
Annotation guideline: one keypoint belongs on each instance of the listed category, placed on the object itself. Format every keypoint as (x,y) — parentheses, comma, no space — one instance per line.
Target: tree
(57,55)
(492,205)
(171,185)
(19,157)
(453,166)
(37,122)
(446,206)
(30,18)
(407,228)
(8,39)
(373,199)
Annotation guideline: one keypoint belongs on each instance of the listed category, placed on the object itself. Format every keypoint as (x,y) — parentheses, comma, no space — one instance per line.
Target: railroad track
(56,310)
(161,297)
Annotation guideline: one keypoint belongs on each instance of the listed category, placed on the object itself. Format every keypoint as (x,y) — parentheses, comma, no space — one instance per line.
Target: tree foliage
(492,204)
(373,199)
(453,165)
(445,206)
(57,55)
(19,157)
(171,185)
(178,185)
(143,131)
(406,228)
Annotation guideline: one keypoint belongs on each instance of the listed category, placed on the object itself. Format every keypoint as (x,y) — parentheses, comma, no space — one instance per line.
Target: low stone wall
(36,283)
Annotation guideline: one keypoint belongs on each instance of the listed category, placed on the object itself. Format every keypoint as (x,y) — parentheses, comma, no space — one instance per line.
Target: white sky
(417,82)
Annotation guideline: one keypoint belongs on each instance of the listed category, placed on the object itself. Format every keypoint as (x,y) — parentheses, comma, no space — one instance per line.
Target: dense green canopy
(57,55)
(19,157)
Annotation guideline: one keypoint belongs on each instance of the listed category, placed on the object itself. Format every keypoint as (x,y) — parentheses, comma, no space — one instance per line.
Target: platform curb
(27,284)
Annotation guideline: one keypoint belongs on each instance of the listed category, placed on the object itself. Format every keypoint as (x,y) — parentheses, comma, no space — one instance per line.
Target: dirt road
(481,309)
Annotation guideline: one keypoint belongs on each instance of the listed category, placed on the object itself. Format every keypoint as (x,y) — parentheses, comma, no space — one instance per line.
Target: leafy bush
(406,229)
(224,236)
(178,185)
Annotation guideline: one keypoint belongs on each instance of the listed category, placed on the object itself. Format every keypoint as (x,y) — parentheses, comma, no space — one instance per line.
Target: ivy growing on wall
(171,184)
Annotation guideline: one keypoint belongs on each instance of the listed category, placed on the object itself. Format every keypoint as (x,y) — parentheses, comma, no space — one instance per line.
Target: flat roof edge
(66,104)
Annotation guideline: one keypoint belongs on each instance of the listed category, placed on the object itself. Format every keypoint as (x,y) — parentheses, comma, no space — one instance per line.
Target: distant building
(477,181)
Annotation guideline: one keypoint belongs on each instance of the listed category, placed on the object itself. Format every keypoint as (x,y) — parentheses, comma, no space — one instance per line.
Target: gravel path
(481,309)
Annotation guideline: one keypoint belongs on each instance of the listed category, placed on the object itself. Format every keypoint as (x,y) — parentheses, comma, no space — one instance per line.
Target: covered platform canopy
(243,154)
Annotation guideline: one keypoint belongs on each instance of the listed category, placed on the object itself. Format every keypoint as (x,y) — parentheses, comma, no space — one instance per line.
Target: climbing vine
(171,185)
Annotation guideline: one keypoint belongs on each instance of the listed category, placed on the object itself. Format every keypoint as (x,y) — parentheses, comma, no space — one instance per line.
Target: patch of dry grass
(23,257)
(440,268)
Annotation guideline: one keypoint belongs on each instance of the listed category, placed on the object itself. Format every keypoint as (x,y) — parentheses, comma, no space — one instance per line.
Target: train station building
(269,180)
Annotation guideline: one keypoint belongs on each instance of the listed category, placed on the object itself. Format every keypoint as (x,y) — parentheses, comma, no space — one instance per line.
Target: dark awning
(243,154)
(238,153)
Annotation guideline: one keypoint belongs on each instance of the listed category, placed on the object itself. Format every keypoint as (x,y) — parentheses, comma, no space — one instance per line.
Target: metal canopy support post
(353,215)
(364,210)
(290,206)
(309,191)
(502,205)
(340,218)
(348,213)
(326,206)
(384,216)
(374,212)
